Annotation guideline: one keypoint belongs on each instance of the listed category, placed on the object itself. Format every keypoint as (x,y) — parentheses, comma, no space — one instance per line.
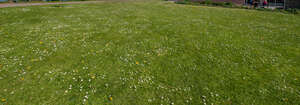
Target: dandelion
(22,78)
(12,92)
(3,100)
(110,98)
(70,87)
(66,91)
(34,60)
(86,97)
(137,62)
(41,42)
(285,99)
(93,76)
(28,67)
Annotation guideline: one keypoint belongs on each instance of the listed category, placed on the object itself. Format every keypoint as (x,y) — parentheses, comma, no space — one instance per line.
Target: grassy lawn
(148,53)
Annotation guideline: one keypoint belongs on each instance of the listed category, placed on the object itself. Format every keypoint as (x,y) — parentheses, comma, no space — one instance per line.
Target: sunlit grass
(148,53)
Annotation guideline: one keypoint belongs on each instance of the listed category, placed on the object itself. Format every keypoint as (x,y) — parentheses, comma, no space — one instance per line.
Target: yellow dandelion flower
(93,76)
(34,60)
(137,62)
(22,78)
(3,100)
(110,98)
(28,67)
(41,42)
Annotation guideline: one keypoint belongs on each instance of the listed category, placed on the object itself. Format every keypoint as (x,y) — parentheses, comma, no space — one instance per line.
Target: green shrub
(292,10)
(218,3)
(202,2)
(208,2)
(260,9)
(229,4)
(181,2)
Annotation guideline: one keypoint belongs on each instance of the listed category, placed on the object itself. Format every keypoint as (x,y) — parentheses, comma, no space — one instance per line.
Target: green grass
(148,53)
